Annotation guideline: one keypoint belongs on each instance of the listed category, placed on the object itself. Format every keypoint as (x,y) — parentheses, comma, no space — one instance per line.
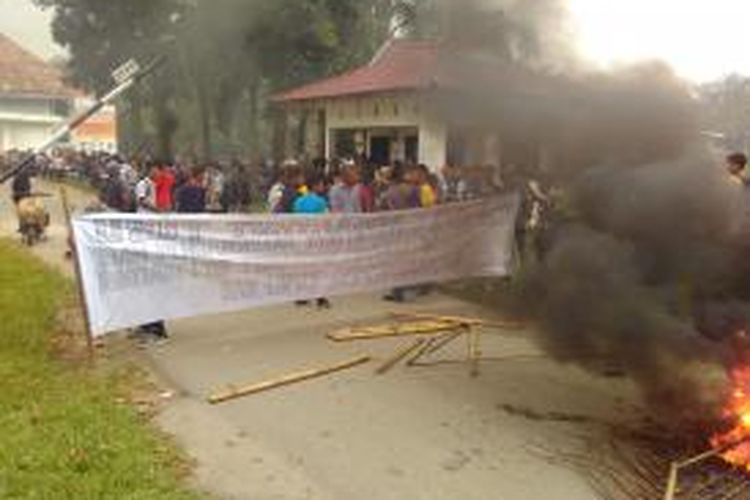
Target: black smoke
(640,269)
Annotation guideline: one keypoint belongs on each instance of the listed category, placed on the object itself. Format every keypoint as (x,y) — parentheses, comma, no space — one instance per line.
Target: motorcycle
(33,219)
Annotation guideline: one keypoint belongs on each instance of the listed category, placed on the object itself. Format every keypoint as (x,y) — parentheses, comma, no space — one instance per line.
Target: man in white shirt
(145,197)
(145,193)
(128,175)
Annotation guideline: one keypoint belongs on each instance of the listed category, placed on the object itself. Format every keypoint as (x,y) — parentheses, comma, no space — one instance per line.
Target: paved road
(419,433)
(52,250)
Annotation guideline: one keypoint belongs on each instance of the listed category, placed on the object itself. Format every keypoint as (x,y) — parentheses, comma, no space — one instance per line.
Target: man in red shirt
(164,181)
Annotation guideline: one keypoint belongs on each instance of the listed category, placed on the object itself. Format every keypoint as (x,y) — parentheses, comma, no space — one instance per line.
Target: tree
(101,36)
(226,57)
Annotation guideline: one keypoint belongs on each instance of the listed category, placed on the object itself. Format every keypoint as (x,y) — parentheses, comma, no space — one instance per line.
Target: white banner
(141,268)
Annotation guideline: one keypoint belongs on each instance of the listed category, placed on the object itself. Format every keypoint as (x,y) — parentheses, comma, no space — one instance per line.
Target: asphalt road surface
(416,433)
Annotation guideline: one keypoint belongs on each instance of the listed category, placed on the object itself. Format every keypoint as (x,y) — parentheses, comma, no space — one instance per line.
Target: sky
(29,26)
(702,39)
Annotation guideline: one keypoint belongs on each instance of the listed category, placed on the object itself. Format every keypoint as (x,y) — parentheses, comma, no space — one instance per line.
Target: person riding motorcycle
(21,186)
(33,217)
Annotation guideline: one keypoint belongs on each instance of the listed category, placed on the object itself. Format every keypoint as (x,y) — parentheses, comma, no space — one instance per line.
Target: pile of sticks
(631,461)
(428,334)
(722,485)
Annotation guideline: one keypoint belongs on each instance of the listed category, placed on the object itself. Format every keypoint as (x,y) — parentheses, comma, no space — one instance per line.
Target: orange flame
(737,409)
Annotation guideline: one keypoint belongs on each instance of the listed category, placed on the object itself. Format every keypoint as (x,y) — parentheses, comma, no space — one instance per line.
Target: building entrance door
(380,151)
(411,146)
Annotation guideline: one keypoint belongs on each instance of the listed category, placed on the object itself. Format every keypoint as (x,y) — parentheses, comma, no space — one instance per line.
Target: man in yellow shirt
(427,195)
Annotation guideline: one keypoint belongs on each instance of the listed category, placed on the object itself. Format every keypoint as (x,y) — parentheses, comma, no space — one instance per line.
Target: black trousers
(157,328)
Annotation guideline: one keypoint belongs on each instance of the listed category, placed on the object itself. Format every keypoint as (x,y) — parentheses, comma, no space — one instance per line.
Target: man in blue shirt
(314,203)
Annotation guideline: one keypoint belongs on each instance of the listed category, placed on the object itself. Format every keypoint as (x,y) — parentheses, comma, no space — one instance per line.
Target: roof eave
(285,99)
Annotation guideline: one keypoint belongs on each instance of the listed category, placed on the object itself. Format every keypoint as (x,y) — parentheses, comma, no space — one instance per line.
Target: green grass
(64,431)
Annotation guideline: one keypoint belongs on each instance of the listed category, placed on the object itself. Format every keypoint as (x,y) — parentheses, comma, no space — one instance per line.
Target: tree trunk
(253,125)
(166,124)
(204,110)
(280,132)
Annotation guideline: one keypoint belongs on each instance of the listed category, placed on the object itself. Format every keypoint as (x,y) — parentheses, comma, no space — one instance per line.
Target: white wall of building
(376,111)
(397,111)
(433,143)
(27,123)
(23,135)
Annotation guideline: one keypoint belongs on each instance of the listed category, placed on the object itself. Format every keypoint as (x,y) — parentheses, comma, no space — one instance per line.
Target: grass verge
(65,432)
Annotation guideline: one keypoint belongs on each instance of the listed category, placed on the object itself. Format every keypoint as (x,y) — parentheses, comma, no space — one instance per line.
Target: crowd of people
(140,184)
(320,187)
(350,188)
(143,184)
(137,184)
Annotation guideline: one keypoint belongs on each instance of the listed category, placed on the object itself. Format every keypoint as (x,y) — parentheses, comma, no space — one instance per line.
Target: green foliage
(103,35)
(62,435)
(227,56)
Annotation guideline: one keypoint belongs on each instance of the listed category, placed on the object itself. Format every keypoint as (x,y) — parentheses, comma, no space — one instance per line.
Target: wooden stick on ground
(676,467)
(437,317)
(392,330)
(672,481)
(400,355)
(422,351)
(458,319)
(474,350)
(234,393)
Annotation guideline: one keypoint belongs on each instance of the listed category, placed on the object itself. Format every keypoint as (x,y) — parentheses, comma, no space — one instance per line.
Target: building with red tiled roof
(24,74)
(375,111)
(401,65)
(34,99)
(416,101)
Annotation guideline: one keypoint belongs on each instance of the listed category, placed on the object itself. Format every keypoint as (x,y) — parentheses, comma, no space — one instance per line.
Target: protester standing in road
(191,198)
(146,202)
(347,197)
(275,192)
(164,180)
(293,186)
(114,193)
(402,194)
(145,193)
(314,203)
(451,185)
(427,195)
(238,195)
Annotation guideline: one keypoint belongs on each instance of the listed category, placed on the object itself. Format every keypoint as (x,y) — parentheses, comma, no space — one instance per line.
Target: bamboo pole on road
(237,392)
